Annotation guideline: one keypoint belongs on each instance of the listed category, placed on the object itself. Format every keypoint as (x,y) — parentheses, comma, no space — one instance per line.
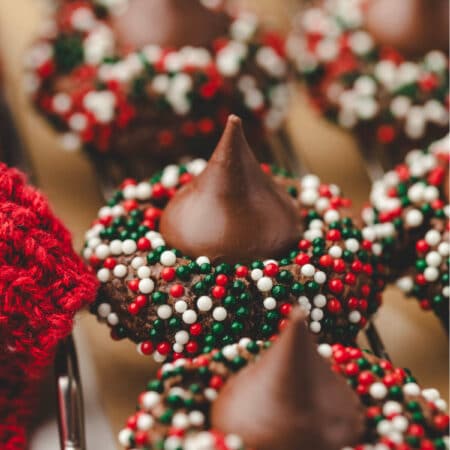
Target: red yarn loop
(43,283)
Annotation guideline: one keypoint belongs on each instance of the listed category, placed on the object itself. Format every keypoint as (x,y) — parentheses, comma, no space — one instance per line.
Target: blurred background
(113,372)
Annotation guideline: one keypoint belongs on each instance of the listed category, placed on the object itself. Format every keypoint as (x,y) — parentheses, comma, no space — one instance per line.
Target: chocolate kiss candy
(232,212)
(413,27)
(169,23)
(290,399)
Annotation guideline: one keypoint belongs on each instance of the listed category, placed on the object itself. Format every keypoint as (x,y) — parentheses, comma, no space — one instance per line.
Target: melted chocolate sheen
(169,23)
(290,399)
(413,27)
(233,212)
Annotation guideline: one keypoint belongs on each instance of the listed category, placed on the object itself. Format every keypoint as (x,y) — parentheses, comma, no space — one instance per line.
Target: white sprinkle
(378,391)
(431,193)
(210,394)
(204,303)
(309,197)
(433,237)
(384,427)
(168,258)
(143,191)
(181,306)
(120,271)
(444,249)
(144,422)
(352,245)
(256,274)
(189,316)
(219,314)
(182,337)
(137,262)
(264,284)
(125,436)
(103,275)
(317,314)
(320,277)
(143,272)
(170,176)
(405,284)
(433,259)
(113,319)
(146,285)
(335,251)
(331,216)
(102,251)
(325,350)
(129,192)
(310,181)
(129,247)
(149,400)
(103,310)
(431,394)
(202,260)
(308,270)
(416,192)
(164,312)
(414,218)
(180,420)
(320,301)
(392,407)
(158,357)
(411,389)
(115,247)
(196,418)
(431,274)
(270,303)
(354,317)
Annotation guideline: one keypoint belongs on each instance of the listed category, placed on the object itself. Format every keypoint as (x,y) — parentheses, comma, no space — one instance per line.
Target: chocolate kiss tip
(232,212)
(290,399)
(235,120)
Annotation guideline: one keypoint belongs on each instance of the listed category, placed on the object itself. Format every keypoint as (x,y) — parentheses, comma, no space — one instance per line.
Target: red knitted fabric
(43,283)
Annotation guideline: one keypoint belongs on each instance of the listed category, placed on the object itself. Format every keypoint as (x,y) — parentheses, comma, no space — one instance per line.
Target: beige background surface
(414,339)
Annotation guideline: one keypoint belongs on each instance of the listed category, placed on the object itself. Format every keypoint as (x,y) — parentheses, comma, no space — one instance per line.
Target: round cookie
(104,90)
(362,84)
(408,216)
(175,305)
(174,412)
(427,279)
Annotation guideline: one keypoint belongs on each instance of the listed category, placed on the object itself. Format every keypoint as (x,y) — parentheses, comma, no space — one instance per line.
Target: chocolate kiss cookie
(178,302)
(290,399)
(174,411)
(350,54)
(169,23)
(408,218)
(154,80)
(233,211)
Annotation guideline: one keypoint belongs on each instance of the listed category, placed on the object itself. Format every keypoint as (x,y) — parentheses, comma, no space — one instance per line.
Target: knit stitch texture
(43,283)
